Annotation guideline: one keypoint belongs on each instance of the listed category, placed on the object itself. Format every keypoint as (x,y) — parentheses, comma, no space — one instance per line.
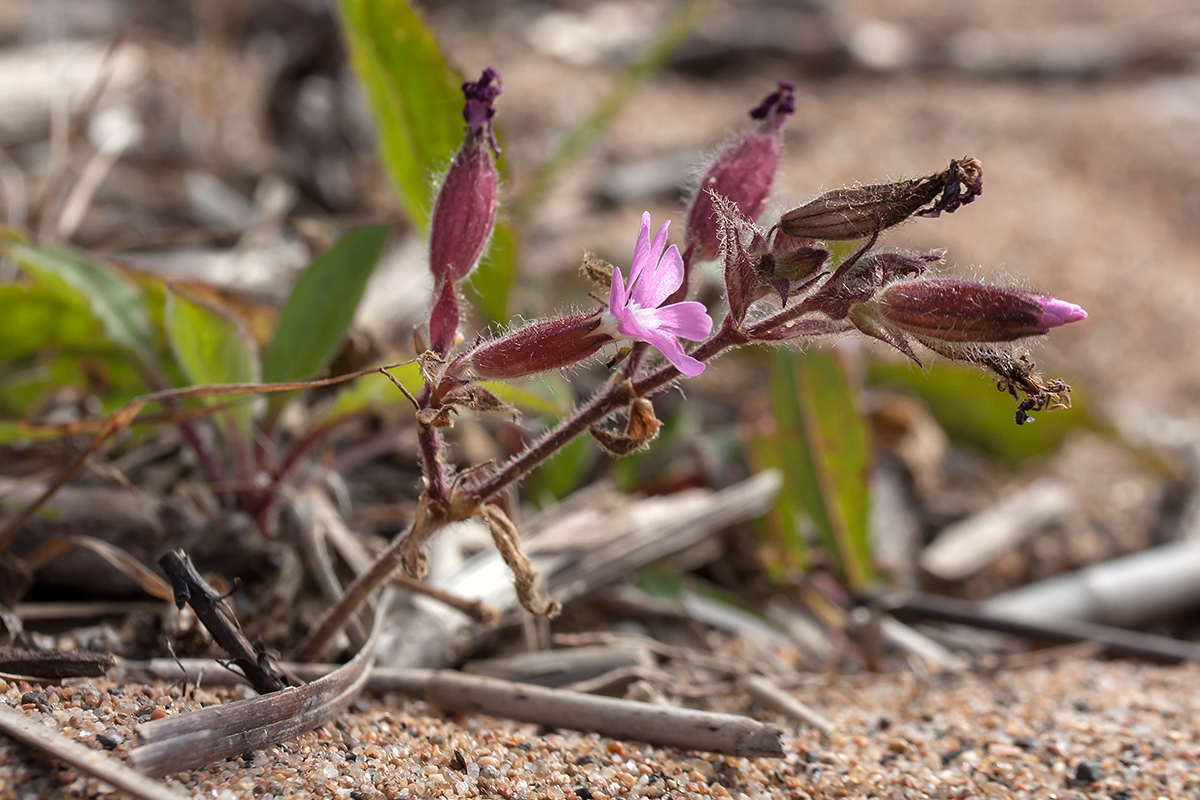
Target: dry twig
(211,610)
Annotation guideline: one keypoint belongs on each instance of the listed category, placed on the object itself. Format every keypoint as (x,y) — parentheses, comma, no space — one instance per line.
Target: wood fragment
(667,726)
(561,667)
(1130,591)
(1117,641)
(771,696)
(215,615)
(191,740)
(54,664)
(969,545)
(88,761)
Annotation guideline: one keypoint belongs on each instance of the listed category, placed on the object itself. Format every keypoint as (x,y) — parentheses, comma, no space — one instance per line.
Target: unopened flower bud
(743,173)
(962,312)
(465,210)
(860,211)
(443,318)
(538,347)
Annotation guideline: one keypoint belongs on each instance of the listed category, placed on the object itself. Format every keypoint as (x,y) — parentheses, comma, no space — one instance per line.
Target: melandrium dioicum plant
(783,285)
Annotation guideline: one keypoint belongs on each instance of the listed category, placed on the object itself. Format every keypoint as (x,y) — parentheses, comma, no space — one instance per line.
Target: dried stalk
(191,740)
(215,615)
(1117,641)
(775,698)
(54,664)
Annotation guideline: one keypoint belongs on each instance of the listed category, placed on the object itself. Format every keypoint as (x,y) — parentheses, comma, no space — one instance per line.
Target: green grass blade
(824,450)
(413,93)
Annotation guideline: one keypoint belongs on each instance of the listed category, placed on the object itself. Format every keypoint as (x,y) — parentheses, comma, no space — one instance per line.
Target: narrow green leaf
(412,91)
(114,301)
(321,306)
(211,347)
(780,528)
(825,454)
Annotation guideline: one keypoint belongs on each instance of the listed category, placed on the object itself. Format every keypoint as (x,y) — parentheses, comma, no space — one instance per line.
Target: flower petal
(670,348)
(662,280)
(641,251)
(688,319)
(616,294)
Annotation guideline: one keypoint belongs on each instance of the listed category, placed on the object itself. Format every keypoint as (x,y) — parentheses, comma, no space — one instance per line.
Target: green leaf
(322,304)
(967,404)
(114,301)
(412,91)
(823,448)
(212,347)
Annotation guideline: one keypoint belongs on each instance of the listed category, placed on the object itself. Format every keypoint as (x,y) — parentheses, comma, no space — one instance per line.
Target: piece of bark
(54,664)
(969,545)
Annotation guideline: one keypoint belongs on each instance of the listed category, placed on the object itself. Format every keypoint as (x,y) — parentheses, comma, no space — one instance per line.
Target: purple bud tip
(1057,312)
(776,106)
(478,110)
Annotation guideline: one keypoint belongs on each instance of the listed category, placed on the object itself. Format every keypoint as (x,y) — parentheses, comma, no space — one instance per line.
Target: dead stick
(211,610)
(54,664)
(685,728)
(775,698)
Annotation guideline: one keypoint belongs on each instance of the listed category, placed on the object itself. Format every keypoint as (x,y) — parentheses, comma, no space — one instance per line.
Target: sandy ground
(1072,730)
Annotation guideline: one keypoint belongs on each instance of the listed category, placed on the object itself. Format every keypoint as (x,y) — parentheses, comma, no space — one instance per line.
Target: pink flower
(638,311)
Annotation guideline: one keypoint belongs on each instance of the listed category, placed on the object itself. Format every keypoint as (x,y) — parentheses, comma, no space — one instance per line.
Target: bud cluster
(464,212)
(782,284)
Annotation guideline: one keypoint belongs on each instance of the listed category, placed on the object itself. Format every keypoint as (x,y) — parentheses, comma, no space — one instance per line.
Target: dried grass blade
(126,564)
(199,737)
